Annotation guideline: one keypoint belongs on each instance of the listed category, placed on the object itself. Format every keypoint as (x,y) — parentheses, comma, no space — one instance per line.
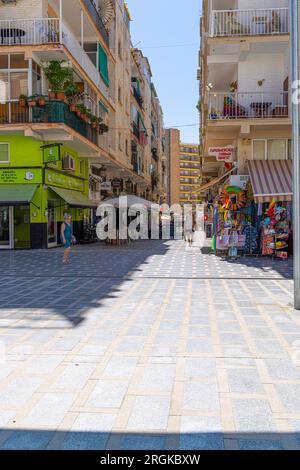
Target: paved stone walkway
(150,346)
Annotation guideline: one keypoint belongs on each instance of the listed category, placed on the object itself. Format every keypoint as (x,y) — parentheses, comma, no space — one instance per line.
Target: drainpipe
(81,34)
(296,160)
(60,21)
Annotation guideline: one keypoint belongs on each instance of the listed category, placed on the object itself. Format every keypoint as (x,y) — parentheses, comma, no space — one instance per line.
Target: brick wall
(22,9)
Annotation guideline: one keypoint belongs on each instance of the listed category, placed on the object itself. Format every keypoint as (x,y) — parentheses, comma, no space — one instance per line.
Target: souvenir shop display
(252,228)
(275,231)
(251,242)
(230,236)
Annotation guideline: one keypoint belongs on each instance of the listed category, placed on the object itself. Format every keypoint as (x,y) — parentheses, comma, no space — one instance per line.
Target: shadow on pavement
(86,440)
(37,280)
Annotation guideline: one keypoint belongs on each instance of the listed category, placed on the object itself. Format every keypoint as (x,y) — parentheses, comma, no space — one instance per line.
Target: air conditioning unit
(68,163)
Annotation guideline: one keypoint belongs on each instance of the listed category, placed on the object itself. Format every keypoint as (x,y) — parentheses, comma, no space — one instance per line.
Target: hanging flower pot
(52,95)
(73,108)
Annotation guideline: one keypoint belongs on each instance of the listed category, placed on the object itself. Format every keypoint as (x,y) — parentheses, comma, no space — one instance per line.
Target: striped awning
(271,179)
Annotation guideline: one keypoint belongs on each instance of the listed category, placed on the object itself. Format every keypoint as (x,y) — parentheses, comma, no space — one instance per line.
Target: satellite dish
(107,11)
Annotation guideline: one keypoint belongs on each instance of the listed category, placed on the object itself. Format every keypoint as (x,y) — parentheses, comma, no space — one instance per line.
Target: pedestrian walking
(67,237)
(189,235)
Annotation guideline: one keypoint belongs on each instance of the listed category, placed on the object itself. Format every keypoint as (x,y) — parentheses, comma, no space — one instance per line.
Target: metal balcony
(267,21)
(264,105)
(53,112)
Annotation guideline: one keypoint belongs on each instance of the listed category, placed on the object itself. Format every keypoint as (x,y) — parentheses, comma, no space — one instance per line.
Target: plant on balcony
(32,100)
(22,101)
(103,128)
(83,112)
(73,96)
(233,86)
(95,122)
(214,114)
(41,100)
(59,77)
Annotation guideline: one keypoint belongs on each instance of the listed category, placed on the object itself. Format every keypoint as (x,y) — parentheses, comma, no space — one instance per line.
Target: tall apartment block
(66,144)
(183,163)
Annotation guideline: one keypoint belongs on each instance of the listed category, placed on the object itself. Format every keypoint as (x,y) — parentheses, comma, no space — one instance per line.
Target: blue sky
(159,23)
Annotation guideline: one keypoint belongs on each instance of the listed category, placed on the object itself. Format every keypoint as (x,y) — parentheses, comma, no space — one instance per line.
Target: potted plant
(59,77)
(103,128)
(73,95)
(85,113)
(41,100)
(52,95)
(213,114)
(31,100)
(89,115)
(94,122)
(233,86)
(81,111)
(22,101)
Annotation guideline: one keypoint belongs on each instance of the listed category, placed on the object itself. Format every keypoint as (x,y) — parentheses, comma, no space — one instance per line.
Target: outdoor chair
(232,109)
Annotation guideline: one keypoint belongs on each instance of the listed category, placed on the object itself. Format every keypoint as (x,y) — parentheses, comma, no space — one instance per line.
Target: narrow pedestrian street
(154,345)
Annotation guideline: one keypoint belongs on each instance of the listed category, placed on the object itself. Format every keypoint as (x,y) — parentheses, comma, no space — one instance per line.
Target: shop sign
(222,154)
(116,183)
(105,186)
(51,153)
(53,178)
(240,181)
(20,176)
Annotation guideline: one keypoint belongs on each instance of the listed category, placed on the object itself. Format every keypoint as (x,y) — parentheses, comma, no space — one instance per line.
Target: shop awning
(271,179)
(75,199)
(215,181)
(16,194)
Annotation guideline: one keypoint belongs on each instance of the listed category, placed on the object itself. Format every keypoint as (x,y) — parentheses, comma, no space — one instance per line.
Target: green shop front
(33,201)
(20,194)
(65,193)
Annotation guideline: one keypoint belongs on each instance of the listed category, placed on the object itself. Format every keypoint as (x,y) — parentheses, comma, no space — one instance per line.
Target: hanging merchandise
(251,243)
(275,231)
(234,199)
(227,220)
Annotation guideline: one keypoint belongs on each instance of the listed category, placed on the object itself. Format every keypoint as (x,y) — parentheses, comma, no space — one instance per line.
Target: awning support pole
(294,5)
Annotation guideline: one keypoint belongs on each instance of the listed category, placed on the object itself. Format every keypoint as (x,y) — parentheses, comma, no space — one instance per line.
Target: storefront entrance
(6,227)
(52,224)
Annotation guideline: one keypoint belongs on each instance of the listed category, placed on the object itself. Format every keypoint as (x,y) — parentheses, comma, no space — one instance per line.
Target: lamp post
(296,158)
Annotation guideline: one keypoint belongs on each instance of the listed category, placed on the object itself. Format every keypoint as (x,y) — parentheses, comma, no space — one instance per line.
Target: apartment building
(62,150)
(158,167)
(183,162)
(245,87)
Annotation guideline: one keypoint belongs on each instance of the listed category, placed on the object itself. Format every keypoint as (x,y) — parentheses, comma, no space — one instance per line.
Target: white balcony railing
(255,105)
(271,21)
(47,31)
(29,31)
